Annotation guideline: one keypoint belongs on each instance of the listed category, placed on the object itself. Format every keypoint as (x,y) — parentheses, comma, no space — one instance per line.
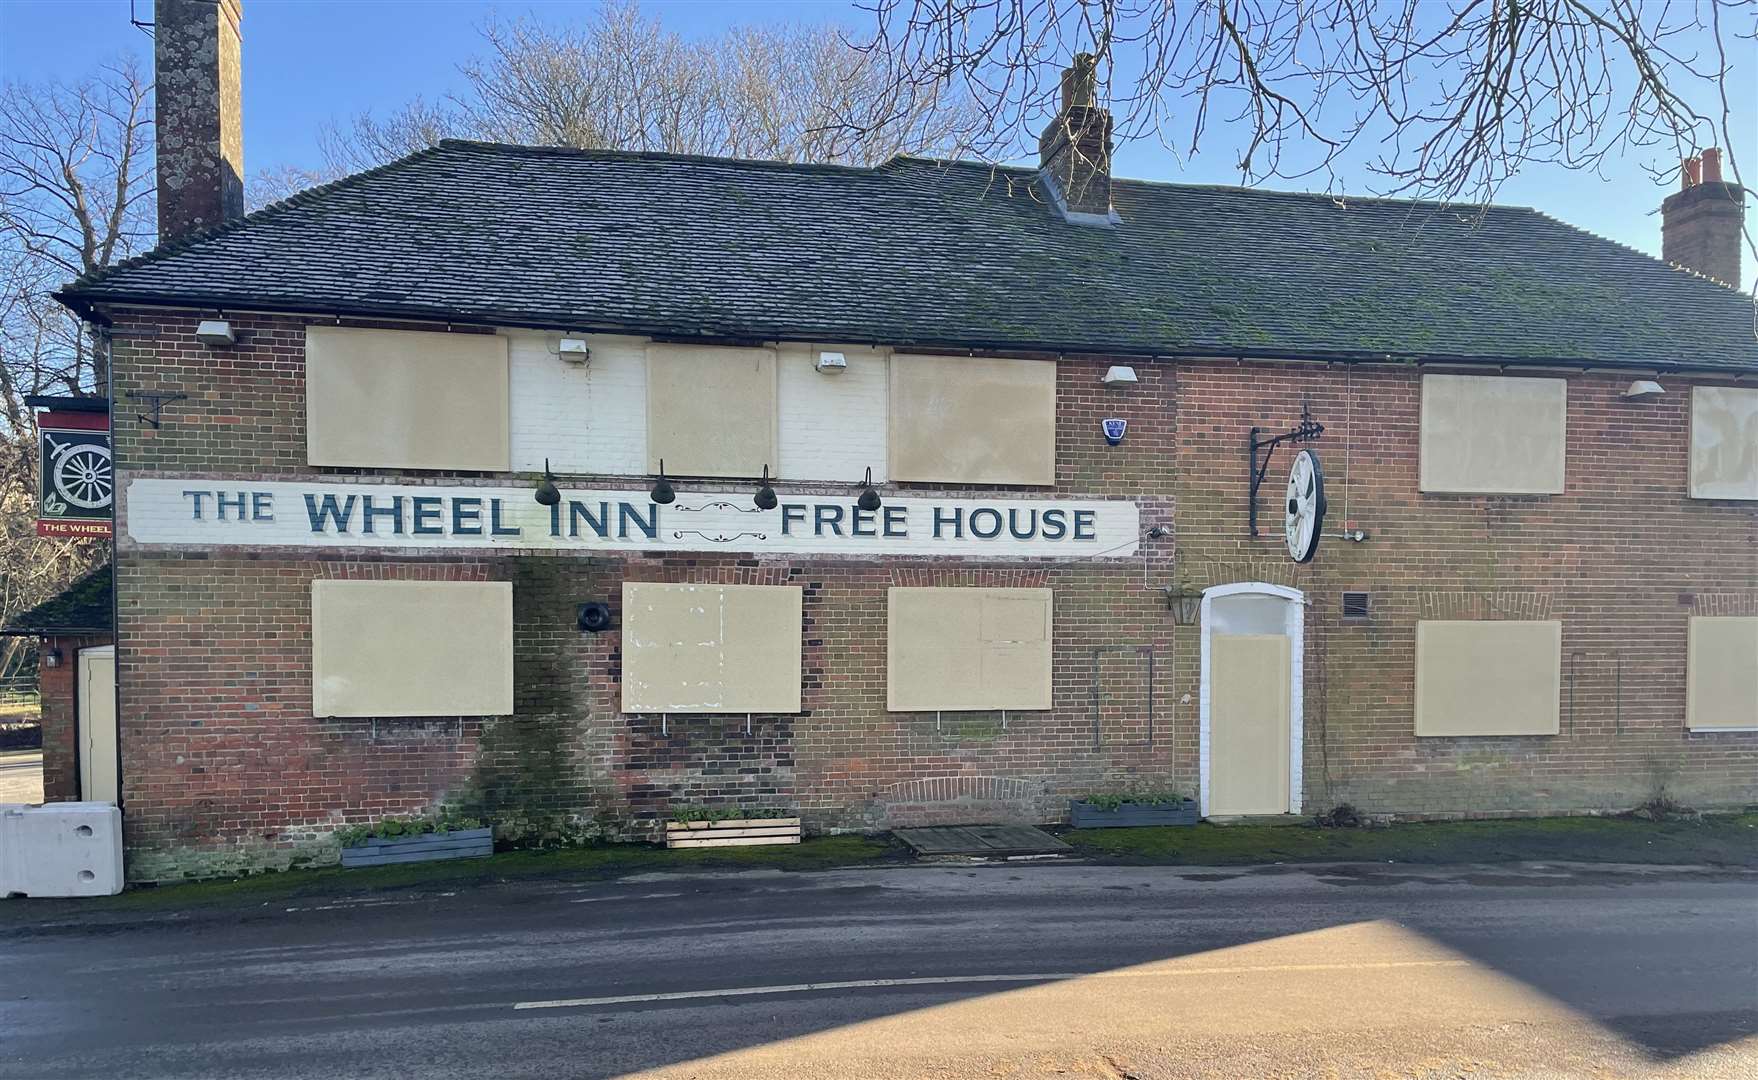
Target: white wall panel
(832,426)
(592,418)
(586,418)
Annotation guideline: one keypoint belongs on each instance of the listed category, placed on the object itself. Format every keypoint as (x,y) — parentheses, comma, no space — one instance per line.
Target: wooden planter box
(457,844)
(1132,815)
(739,832)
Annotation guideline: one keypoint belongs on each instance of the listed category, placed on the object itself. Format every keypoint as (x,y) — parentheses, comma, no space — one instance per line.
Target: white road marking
(344,905)
(643,896)
(951,980)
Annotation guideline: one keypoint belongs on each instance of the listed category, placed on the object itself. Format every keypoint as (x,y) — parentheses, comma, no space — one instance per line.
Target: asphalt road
(987,971)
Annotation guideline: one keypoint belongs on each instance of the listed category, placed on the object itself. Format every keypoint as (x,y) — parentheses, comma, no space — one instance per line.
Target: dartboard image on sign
(1305,518)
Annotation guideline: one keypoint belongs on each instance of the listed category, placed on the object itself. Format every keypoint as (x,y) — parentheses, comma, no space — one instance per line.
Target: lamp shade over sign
(1305,517)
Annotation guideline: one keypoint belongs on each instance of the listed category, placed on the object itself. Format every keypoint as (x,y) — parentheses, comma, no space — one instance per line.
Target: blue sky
(306,61)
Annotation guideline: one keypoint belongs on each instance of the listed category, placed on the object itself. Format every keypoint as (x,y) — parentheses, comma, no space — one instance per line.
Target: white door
(97,724)
(1248,718)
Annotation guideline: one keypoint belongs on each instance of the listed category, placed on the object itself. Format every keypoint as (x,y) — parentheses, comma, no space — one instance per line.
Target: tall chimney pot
(1700,224)
(1712,165)
(198,114)
(1074,152)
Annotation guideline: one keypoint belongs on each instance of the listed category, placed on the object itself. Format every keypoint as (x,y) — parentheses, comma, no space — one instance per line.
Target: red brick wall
(223,759)
(1622,558)
(223,755)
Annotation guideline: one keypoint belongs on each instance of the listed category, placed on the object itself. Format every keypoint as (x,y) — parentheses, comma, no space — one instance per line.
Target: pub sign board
(77,479)
(213,511)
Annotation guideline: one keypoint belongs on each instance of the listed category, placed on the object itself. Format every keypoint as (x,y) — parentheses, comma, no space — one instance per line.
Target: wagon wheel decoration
(82,475)
(1305,520)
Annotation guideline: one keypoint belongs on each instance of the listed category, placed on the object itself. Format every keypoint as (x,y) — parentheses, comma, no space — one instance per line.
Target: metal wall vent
(1355,605)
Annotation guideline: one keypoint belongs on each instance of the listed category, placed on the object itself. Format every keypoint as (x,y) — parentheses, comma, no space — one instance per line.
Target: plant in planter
(405,840)
(730,826)
(1133,809)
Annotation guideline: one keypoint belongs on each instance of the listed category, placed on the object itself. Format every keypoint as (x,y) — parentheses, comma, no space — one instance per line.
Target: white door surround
(1255,607)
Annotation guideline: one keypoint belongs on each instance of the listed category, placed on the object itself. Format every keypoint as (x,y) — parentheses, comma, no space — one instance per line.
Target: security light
(765,498)
(832,363)
(51,658)
(1644,390)
(215,332)
(574,350)
(1119,375)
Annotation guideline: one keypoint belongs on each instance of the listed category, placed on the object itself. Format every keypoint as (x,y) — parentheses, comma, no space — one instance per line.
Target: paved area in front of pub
(21,776)
(946,971)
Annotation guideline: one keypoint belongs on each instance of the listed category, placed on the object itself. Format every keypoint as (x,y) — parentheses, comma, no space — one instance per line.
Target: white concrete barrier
(60,849)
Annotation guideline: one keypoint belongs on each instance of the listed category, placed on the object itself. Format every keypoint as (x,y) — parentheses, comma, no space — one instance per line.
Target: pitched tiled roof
(939,253)
(82,607)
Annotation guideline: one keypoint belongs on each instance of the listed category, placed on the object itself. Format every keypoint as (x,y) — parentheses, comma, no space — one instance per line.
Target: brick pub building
(339,597)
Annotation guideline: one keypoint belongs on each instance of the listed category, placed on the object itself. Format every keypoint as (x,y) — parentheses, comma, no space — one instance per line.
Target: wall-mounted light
(832,363)
(547,494)
(215,332)
(869,499)
(1185,604)
(662,492)
(593,617)
(574,350)
(765,498)
(51,658)
(1644,390)
(1119,375)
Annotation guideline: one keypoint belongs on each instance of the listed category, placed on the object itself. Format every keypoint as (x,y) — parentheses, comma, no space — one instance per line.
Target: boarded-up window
(964,420)
(1724,443)
(401,399)
(411,648)
(1490,434)
(1488,677)
(710,411)
(968,648)
(1722,693)
(711,648)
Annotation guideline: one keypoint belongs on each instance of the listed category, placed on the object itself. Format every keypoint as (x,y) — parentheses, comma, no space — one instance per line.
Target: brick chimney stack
(198,114)
(1700,224)
(1074,153)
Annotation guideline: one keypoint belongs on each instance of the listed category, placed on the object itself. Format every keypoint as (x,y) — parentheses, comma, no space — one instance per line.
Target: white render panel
(586,418)
(591,418)
(832,426)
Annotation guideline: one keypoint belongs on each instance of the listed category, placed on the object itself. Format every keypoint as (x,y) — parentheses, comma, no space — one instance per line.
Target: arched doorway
(1250,705)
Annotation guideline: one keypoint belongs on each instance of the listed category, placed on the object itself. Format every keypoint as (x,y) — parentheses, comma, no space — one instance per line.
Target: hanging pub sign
(77,483)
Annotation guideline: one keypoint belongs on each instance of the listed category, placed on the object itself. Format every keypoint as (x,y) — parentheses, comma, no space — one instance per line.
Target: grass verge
(585,864)
(1730,840)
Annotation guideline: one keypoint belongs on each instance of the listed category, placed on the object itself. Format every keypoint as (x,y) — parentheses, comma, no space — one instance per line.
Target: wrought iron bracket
(158,400)
(1308,430)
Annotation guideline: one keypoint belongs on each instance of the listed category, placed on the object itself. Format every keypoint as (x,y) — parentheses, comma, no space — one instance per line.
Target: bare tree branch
(620,80)
(1437,98)
(76,182)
